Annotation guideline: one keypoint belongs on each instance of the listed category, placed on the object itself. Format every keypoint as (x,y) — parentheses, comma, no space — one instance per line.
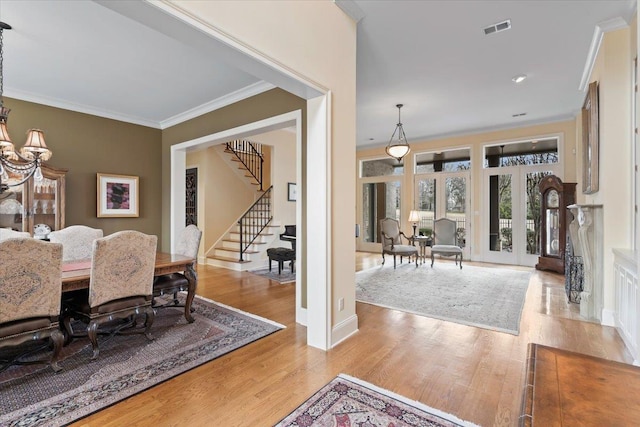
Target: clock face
(41,231)
(553,199)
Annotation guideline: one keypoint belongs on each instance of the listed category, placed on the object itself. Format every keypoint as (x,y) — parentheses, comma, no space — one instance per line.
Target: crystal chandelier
(398,148)
(27,162)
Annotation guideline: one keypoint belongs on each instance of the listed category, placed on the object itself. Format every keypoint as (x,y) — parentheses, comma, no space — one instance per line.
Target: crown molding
(223,101)
(80,108)
(596,41)
(351,9)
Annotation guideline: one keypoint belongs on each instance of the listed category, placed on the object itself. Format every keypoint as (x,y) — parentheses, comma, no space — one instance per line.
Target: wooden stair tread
(237,250)
(238,241)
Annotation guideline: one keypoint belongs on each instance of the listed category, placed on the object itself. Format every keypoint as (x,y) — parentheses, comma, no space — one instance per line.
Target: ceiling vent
(519,115)
(496,28)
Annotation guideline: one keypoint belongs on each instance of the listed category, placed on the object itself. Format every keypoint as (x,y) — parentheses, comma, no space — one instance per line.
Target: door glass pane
(426,205)
(455,193)
(380,200)
(533,211)
(500,218)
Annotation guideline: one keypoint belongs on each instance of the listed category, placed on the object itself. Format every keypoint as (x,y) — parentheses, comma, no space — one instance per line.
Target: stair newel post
(261,164)
(241,236)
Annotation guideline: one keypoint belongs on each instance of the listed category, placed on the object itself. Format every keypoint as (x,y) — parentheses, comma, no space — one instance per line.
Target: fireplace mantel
(587,240)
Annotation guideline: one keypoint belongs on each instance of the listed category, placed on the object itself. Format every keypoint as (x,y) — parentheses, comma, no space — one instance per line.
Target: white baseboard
(344,330)
(608,318)
(301,316)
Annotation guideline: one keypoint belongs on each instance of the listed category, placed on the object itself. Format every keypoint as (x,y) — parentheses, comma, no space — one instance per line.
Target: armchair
(188,244)
(120,287)
(445,240)
(77,241)
(392,241)
(30,289)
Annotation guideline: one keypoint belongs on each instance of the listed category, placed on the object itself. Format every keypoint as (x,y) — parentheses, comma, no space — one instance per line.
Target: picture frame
(292,194)
(590,140)
(117,195)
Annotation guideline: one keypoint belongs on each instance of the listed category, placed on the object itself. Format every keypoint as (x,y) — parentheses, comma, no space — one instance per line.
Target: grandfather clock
(554,218)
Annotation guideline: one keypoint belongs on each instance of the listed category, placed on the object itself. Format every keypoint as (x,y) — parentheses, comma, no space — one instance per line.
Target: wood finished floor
(476,374)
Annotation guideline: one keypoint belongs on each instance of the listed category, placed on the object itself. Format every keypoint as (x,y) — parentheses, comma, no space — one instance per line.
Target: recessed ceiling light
(519,78)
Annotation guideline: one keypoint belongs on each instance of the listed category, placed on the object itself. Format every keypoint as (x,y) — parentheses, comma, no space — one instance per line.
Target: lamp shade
(35,146)
(398,151)
(414,216)
(5,140)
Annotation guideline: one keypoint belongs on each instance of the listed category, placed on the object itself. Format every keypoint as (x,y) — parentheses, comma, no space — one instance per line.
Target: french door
(511,229)
(444,195)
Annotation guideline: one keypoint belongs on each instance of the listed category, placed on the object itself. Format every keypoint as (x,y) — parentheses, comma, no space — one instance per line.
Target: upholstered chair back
(77,241)
(189,241)
(391,228)
(7,233)
(444,231)
(30,279)
(122,265)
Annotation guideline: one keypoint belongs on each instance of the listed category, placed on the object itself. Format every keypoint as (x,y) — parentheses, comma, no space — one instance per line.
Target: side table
(423,242)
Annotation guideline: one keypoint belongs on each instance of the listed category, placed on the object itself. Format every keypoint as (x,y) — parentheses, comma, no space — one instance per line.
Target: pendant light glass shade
(398,148)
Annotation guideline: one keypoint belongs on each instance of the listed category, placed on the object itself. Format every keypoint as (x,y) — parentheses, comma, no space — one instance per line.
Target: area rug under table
(490,298)
(350,402)
(35,396)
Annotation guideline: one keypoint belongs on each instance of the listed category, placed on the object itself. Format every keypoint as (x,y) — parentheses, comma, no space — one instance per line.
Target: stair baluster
(254,220)
(250,155)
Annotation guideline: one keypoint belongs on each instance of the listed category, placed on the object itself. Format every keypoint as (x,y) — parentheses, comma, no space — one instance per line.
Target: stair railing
(254,220)
(250,155)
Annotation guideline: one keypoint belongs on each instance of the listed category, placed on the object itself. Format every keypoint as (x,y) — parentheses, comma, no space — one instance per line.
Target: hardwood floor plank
(473,373)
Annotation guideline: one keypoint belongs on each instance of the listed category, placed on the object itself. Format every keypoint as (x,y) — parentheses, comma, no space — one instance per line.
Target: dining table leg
(192,278)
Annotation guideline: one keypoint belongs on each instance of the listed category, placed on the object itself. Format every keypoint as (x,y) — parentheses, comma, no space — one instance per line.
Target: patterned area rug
(490,298)
(350,402)
(285,277)
(127,364)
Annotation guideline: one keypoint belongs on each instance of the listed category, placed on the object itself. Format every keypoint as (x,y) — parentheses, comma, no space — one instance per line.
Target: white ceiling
(120,60)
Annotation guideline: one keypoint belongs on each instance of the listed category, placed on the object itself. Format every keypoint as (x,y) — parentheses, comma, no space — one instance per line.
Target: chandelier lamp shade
(26,163)
(398,148)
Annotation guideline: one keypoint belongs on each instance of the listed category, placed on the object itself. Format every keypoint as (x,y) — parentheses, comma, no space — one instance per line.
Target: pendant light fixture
(398,148)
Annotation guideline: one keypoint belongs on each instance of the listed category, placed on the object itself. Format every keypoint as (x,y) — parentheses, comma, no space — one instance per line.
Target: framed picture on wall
(292,194)
(590,141)
(117,195)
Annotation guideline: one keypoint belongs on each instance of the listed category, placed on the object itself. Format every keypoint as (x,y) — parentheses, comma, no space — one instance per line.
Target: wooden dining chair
(170,284)
(120,288)
(77,241)
(30,289)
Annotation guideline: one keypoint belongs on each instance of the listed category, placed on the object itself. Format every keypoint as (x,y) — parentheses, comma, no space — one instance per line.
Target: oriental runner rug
(350,402)
(485,297)
(127,364)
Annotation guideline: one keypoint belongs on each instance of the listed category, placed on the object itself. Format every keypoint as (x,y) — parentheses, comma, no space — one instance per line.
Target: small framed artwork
(292,194)
(590,142)
(117,195)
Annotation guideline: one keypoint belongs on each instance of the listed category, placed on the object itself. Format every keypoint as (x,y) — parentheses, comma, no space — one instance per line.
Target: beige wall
(85,145)
(613,72)
(314,39)
(476,142)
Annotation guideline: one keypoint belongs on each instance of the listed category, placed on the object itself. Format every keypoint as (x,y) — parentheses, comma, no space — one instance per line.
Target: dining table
(76,275)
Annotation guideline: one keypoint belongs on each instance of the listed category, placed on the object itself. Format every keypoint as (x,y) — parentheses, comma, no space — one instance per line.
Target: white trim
(608,317)
(301,314)
(598,33)
(344,330)
(253,316)
(419,405)
(80,108)
(351,8)
(228,99)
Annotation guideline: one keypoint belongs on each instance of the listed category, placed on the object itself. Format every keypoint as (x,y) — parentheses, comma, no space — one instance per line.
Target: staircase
(243,246)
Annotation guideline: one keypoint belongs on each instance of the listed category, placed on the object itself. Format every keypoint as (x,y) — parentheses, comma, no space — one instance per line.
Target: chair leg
(92,333)
(149,318)
(394,262)
(58,342)
(383,258)
(269,263)
(460,261)
(431,259)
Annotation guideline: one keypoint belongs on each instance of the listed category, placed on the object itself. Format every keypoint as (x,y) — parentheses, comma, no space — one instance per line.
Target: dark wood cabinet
(555,196)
